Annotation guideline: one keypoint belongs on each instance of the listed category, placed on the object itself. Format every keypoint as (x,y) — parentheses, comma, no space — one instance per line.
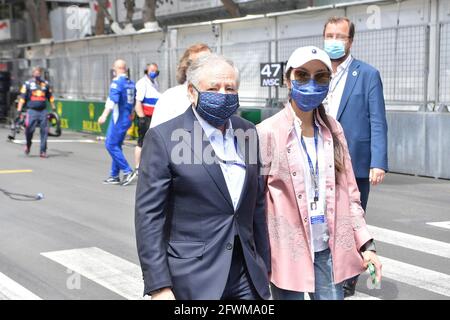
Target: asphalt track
(95,221)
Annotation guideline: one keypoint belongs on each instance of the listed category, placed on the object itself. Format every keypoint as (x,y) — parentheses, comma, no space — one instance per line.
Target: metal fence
(400,54)
(88,77)
(444,64)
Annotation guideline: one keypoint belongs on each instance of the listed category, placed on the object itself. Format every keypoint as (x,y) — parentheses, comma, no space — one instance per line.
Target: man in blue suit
(356,100)
(200,220)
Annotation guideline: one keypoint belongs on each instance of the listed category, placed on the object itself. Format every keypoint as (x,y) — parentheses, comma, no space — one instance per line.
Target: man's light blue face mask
(334,48)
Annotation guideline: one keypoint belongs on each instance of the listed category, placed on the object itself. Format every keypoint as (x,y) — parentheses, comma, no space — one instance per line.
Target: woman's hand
(370,256)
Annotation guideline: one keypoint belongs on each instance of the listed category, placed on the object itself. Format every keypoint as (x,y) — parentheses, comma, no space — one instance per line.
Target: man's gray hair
(201,64)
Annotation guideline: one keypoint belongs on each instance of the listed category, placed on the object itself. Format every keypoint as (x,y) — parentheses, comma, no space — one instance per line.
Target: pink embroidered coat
(287,213)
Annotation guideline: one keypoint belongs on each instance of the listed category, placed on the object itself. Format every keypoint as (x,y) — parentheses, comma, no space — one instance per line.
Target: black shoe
(112,180)
(128,178)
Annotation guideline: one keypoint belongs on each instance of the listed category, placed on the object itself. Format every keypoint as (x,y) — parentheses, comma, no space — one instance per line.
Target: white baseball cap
(303,55)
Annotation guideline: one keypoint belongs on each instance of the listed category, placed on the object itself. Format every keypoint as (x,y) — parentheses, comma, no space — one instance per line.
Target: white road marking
(416,276)
(114,273)
(59,141)
(409,241)
(442,224)
(11,290)
(362,296)
(125,278)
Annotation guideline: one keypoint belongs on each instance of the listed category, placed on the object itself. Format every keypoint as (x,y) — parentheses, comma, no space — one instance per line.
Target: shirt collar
(210,130)
(344,64)
(298,121)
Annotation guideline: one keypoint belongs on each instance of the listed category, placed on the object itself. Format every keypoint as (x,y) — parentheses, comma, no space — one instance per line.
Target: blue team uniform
(35,93)
(121,99)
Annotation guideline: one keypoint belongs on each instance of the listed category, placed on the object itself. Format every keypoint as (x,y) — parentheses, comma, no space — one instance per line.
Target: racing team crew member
(147,94)
(34,94)
(121,102)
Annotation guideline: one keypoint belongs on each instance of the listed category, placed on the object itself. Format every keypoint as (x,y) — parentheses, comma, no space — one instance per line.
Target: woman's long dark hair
(338,154)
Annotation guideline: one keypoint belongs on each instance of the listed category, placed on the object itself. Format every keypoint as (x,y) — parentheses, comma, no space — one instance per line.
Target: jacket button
(306,220)
(229,246)
(331,166)
(294,174)
(289,150)
(299,196)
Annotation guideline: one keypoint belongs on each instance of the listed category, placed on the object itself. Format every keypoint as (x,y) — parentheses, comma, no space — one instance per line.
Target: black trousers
(239,284)
(143,125)
(364,189)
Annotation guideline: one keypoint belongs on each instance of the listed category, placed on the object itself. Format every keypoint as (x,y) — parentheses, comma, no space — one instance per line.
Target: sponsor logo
(91,109)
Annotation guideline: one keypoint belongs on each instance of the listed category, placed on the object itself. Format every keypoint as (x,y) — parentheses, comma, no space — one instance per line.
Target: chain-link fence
(400,54)
(444,64)
(88,77)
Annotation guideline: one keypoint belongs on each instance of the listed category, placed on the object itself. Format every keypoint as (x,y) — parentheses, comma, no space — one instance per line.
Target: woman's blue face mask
(308,96)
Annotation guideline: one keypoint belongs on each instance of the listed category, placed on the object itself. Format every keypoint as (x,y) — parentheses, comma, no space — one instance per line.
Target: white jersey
(147,94)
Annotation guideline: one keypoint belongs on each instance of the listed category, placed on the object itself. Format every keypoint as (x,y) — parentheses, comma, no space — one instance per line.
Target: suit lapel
(214,170)
(352,77)
(245,152)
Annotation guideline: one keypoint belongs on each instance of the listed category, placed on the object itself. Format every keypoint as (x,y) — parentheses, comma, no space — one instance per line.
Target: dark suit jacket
(363,117)
(185,220)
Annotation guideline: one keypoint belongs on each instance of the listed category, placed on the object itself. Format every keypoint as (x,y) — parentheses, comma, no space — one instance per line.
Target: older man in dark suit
(200,224)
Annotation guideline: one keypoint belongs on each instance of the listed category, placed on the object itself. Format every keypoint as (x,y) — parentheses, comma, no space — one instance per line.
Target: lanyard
(341,76)
(314,173)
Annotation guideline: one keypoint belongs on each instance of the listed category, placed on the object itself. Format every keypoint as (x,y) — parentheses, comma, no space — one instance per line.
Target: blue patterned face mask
(216,108)
(308,96)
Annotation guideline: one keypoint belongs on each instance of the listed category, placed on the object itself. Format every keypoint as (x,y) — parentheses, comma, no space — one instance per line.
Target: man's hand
(376,176)
(164,294)
(102,119)
(370,256)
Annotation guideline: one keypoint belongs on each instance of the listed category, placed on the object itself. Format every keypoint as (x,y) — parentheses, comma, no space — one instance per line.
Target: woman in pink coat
(318,234)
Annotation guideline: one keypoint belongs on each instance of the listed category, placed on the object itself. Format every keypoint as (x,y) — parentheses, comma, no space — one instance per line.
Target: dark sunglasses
(321,77)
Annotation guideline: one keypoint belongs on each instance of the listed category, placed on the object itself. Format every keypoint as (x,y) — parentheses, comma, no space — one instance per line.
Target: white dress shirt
(337,86)
(319,232)
(226,149)
(172,103)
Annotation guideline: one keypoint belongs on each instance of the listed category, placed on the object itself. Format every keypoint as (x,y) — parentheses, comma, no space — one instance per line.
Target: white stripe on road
(11,290)
(59,141)
(362,296)
(409,241)
(109,271)
(416,276)
(125,278)
(443,224)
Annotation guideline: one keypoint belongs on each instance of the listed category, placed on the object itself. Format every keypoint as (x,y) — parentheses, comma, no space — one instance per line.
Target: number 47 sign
(271,74)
